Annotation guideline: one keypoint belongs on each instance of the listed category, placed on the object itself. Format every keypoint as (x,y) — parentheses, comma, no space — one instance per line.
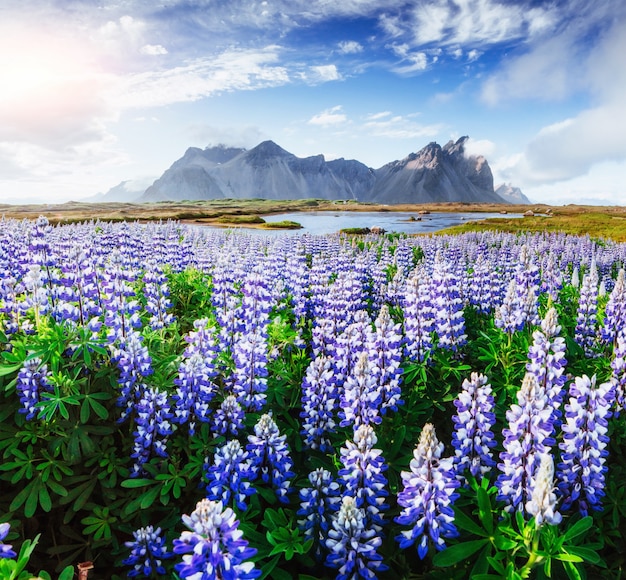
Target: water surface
(329,222)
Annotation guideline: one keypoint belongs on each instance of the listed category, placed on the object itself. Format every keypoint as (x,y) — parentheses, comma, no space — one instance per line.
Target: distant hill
(433,174)
(511,194)
(125,191)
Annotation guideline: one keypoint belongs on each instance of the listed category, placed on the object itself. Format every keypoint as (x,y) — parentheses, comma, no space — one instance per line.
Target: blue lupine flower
(528,436)
(528,286)
(547,361)
(317,503)
(428,490)
(270,457)
(135,363)
(228,418)
(542,503)
(147,552)
(385,354)
(319,399)
(618,364)
(6,550)
(250,374)
(581,472)
(229,475)
(509,316)
(615,312)
(353,547)
(361,399)
(152,427)
(473,438)
(194,392)
(214,548)
(32,382)
(362,475)
(418,316)
(157,295)
(447,306)
(586,332)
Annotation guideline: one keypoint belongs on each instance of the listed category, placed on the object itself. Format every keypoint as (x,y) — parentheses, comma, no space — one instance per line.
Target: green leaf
(580,527)
(571,571)
(457,553)
(587,554)
(568,557)
(67,573)
(131,483)
(466,523)
(484,510)
(9,369)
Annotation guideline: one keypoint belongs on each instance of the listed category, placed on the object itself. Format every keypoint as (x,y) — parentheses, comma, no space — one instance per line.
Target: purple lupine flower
(119,300)
(448,307)
(361,398)
(385,354)
(194,392)
(362,475)
(509,316)
(352,546)
(214,547)
(250,374)
(147,552)
(269,455)
(319,399)
(618,364)
(615,312)
(418,316)
(527,285)
(134,362)
(157,295)
(32,382)
(229,475)
(317,503)
(542,503)
(6,550)
(428,490)
(528,436)
(551,277)
(153,426)
(547,361)
(473,438)
(349,345)
(581,472)
(228,418)
(586,333)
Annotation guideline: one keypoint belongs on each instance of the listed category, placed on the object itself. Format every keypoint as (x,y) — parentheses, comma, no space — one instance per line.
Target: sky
(93,93)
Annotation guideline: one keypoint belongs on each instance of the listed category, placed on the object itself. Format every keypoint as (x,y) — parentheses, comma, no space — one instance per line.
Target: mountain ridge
(267,171)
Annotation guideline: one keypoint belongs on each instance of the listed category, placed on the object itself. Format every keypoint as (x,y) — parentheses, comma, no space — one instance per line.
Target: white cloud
(322,74)
(483,147)
(376,116)
(235,69)
(571,147)
(332,116)
(350,47)
(153,49)
(473,22)
(399,127)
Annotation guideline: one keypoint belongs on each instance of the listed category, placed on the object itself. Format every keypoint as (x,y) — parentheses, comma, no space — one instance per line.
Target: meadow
(198,403)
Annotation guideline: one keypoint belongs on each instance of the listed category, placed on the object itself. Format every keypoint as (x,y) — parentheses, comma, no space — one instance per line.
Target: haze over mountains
(433,174)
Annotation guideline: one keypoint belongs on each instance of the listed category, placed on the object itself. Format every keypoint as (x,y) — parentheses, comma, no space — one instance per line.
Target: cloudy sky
(94,92)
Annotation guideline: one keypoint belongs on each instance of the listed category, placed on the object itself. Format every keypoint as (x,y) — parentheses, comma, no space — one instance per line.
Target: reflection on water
(322,222)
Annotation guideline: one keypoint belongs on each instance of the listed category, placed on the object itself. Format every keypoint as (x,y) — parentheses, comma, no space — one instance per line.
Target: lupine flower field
(182,402)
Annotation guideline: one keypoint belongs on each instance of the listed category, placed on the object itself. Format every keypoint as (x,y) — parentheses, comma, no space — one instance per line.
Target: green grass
(240,219)
(595,224)
(283,225)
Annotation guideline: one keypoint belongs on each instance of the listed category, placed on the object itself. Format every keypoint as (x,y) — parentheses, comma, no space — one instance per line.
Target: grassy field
(597,221)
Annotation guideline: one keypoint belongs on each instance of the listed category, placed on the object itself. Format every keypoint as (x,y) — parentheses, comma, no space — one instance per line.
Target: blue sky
(94,92)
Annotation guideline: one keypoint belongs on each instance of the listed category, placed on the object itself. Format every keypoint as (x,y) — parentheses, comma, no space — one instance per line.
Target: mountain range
(267,171)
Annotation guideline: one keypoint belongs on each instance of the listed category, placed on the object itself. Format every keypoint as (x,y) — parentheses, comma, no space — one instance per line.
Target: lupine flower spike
(428,490)
(147,552)
(214,548)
